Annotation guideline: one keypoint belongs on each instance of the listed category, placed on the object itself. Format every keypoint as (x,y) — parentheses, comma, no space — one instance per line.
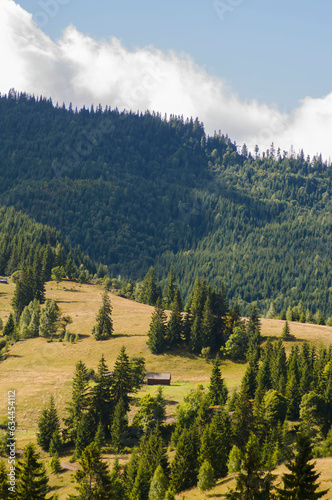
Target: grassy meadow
(36,368)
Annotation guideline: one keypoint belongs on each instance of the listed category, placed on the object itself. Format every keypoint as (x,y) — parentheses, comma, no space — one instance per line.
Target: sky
(259,71)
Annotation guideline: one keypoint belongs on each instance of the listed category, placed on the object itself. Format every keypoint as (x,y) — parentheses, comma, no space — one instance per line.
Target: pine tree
(196,340)
(301,482)
(215,443)
(242,420)
(23,294)
(101,397)
(158,485)
(208,325)
(55,464)
(80,401)
(94,479)
(150,291)
(48,425)
(56,443)
(32,481)
(170,289)
(286,334)
(206,479)
(293,398)
(99,438)
(174,327)
(278,367)
(103,329)
(184,466)
(85,433)
(47,263)
(251,483)
(122,384)
(49,319)
(218,391)
(119,426)
(157,330)
(9,329)
(141,486)
(131,469)
(38,279)
(155,453)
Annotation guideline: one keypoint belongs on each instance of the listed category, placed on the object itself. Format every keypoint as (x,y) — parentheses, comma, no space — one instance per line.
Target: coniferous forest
(212,237)
(136,190)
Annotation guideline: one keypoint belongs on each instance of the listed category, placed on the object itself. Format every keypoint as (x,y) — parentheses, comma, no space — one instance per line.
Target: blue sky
(273,51)
(256,70)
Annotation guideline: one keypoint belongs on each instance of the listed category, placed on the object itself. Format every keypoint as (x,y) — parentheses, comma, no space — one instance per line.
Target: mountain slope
(138,190)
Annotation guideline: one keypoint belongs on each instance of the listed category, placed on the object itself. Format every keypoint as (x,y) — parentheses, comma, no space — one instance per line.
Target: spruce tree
(38,279)
(301,482)
(9,329)
(215,443)
(80,401)
(218,391)
(103,328)
(184,466)
(141,486)
(158,485)
(56,443)
(101,397)
(251,483)
(286,334)
(119,426)
(155,453)
(122,383)
(99,438)
(23,293)
(157,330)
(85,433)
(48,424)
(174,327)
(55,464)
(94,481)
(32,481)
(170,289)
(150,291)
(49,319)
(206,479)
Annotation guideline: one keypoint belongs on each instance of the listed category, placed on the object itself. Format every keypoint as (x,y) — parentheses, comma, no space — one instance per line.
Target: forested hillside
(138,190)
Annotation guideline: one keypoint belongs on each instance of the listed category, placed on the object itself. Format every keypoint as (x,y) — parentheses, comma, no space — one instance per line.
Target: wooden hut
(158,378)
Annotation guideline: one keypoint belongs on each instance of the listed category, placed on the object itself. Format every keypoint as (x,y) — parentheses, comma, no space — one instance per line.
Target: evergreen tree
(293,397)
(48,425)
(215,443)
(141,486)
(49,319)
(103,329)
(9,329)
(94,479)
(218,391)
(101,397)
(122,383)
(32,481)
(155,453)
(55,464)
(171,288)
(251,483)
(99,438)
(174,327)
(278,367)
(196,338)
(158,485)
(38,279)
(242,420)
(206,479)
(184,466)
(131,469)
(301,482)
(57,275)
(150,292)
(80,401)
(286,334)
(119,426)
(208,325)
(23,294)
(56,443)
(85,433)
(157,330)
(249,381)
(47,262)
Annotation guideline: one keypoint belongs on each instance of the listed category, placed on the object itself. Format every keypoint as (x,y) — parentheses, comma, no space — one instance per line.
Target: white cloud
(81,70)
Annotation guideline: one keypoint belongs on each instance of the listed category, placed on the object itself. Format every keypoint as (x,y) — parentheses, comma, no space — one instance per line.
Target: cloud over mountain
(81,70)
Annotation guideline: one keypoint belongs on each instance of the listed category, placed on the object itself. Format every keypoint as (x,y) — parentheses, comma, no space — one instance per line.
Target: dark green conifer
(184,468)
(301,481)
(32,481)
(218,391)
(158,329)
(103,328)
(119,426)
(122,383)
